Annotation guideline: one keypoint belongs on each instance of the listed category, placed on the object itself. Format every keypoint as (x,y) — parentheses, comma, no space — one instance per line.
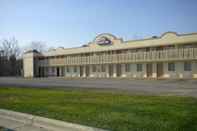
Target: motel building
(168,56)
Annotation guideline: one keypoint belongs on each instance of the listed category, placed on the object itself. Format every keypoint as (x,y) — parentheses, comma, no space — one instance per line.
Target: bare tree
(8,59)
(10,47)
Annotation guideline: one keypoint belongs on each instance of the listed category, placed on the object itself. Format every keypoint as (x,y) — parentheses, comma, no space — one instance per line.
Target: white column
(123,70)
(144,70)
(179,69)
(154,69)
(107,71)
(84,71)
(165,70)
(114,70)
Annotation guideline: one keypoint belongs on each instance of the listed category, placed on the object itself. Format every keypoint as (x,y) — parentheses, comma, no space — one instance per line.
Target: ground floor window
(127,68)
(171,66)
(53,69)
(139,67)
(94,68)
(67,69)
(75,69)
(98,68)
(187,66)
(103,68)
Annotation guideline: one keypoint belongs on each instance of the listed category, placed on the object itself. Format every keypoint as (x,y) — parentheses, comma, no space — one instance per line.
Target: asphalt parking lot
(158,87)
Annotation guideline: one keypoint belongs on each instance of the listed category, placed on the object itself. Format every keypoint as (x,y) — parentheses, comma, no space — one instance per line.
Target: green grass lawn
(104,109)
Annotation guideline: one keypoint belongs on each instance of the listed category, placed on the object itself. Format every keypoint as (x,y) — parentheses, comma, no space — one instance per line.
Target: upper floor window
(139,67)
(187,66)
(171,66)
(127,68)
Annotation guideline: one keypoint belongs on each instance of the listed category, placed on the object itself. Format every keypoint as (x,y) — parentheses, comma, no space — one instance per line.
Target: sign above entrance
(103,41)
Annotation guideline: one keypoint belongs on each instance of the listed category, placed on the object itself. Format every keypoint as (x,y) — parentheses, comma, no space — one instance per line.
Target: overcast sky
(71,23)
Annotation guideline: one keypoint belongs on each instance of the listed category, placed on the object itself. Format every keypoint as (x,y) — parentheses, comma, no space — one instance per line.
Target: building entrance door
(159,70)
(81,71)
(118,70)
(62,71)
(149,70)
(111,70)
(41,71)
(58,71)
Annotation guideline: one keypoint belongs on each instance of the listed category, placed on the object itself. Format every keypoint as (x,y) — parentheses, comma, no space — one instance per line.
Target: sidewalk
(25,122)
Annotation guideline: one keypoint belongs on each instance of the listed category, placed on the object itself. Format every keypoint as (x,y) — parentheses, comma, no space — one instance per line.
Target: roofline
(159,37)
(123,42)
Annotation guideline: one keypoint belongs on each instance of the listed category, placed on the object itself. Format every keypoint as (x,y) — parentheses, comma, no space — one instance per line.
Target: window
(94,68)
(187,66)
(127,68)
(53,69)
(139,67)
(75,69)
(103,68)
(171,66)
(67,69)
(98,68)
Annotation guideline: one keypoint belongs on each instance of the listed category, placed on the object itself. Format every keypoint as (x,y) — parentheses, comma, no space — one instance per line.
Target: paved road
(171,87)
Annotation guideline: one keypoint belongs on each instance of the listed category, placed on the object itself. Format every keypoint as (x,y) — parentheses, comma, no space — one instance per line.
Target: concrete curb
(44,123)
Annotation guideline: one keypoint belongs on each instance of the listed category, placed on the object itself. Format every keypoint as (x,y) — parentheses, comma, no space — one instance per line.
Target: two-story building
(169,56)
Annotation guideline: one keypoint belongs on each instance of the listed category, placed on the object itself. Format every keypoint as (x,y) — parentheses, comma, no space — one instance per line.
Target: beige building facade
(169,56)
